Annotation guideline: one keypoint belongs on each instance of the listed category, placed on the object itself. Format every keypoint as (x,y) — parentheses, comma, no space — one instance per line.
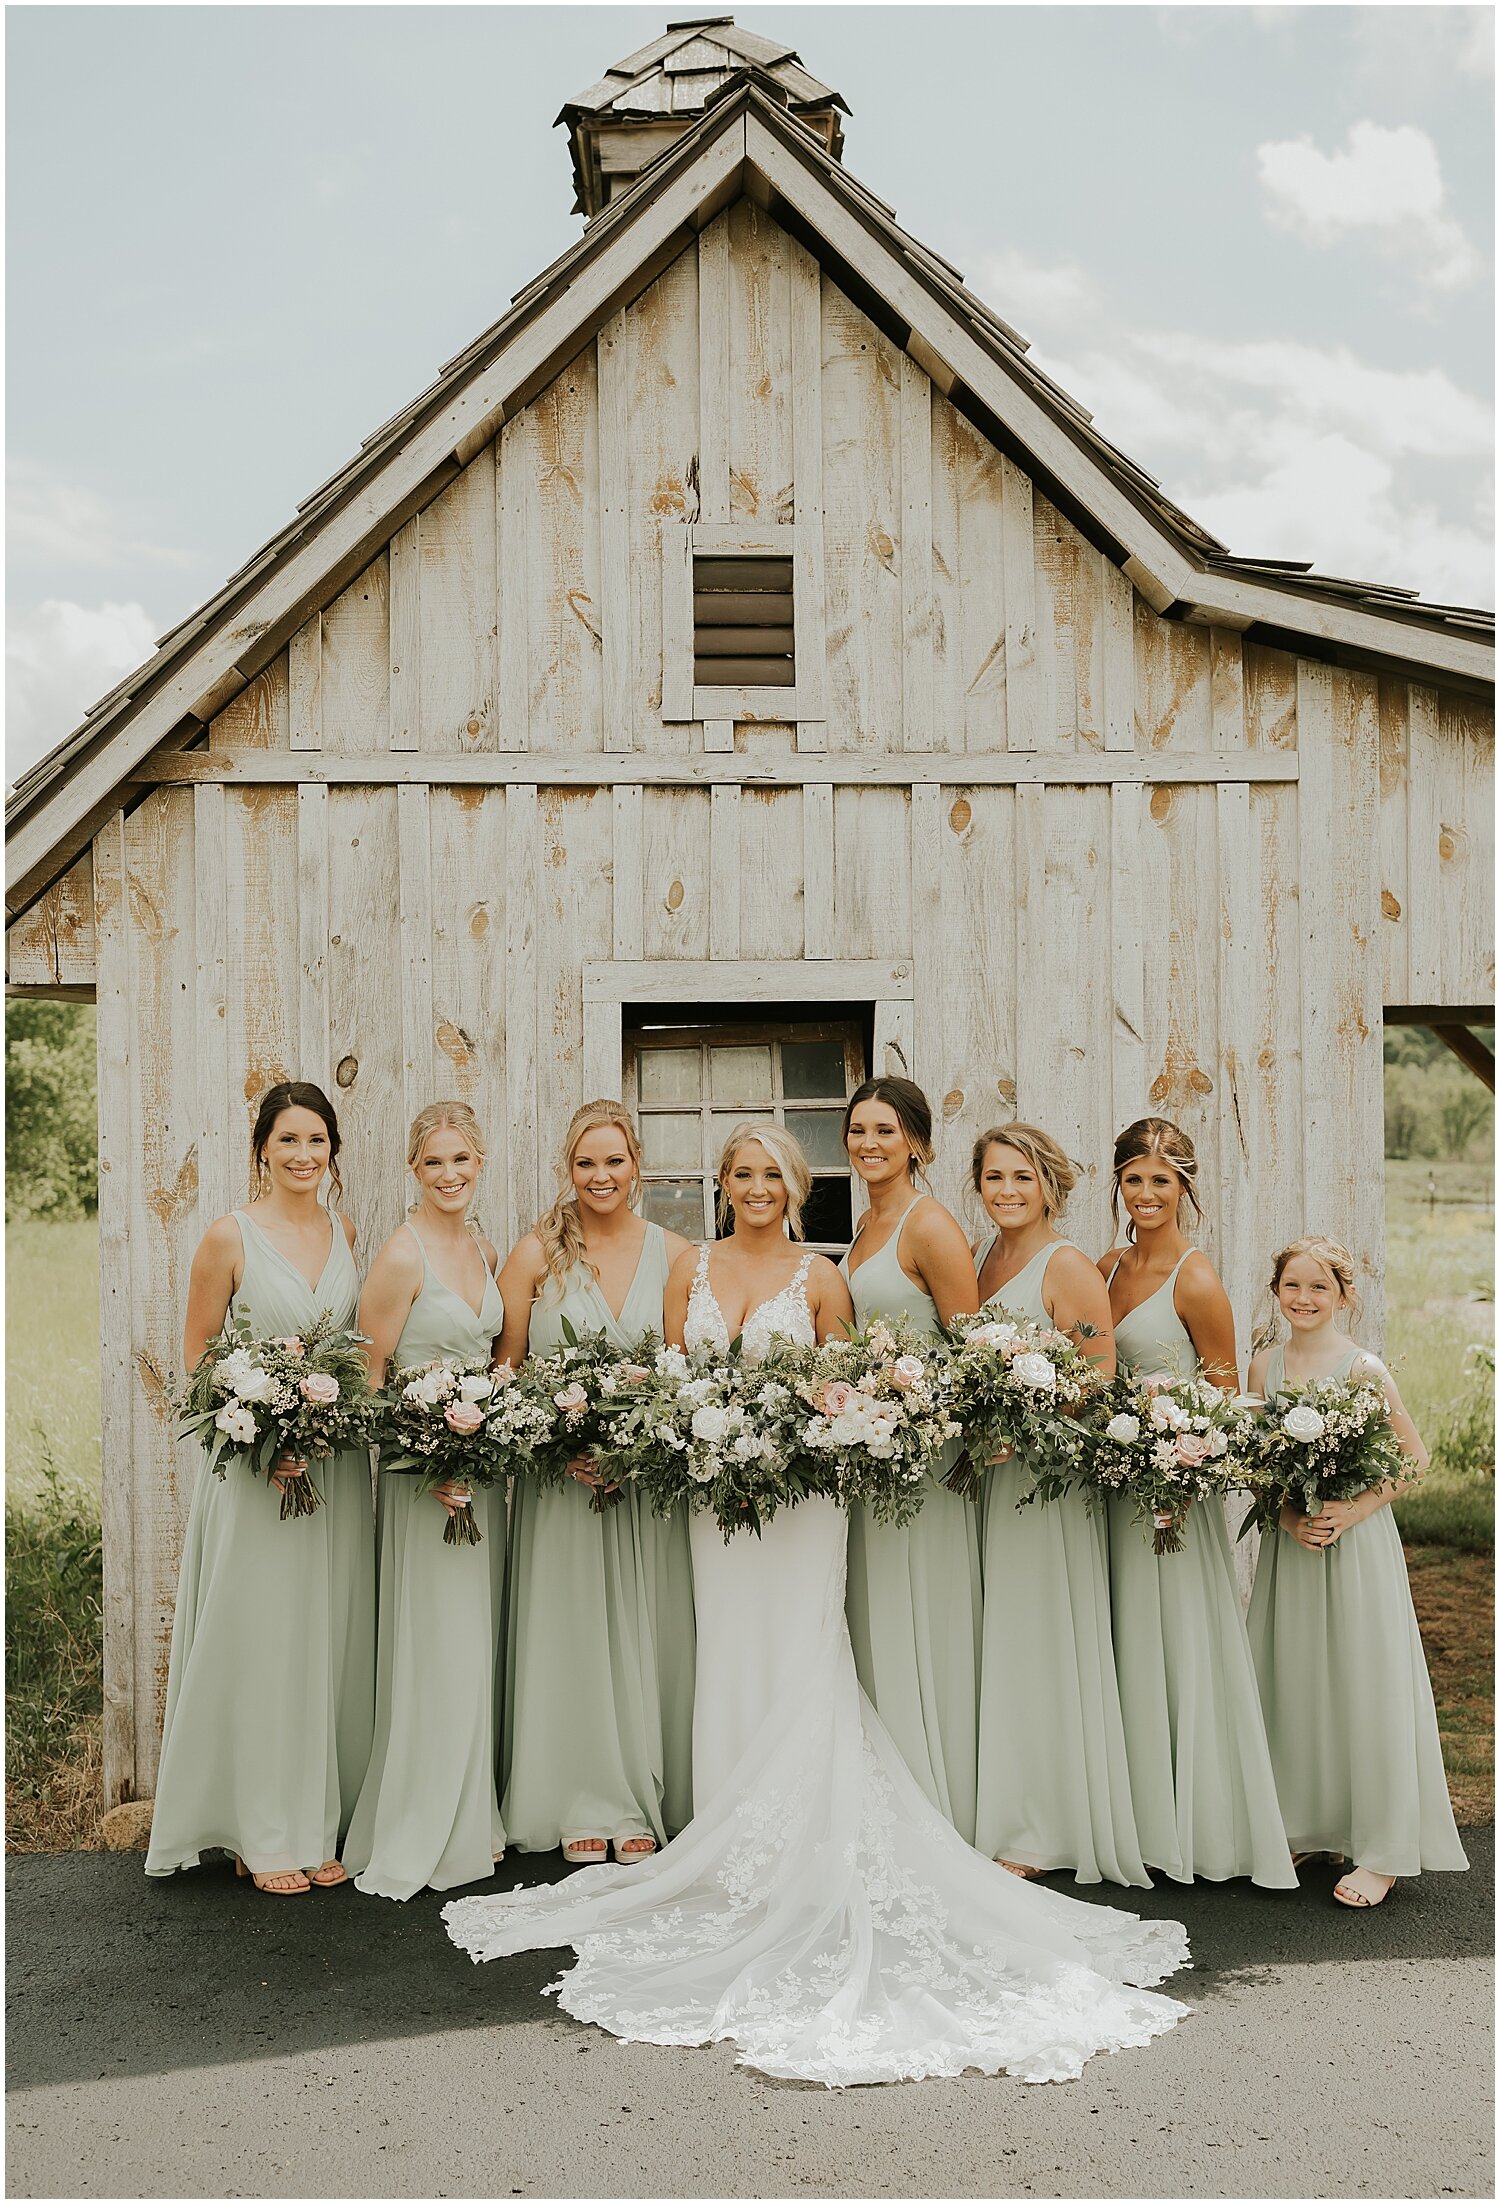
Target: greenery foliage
(54,1593)
(51,1110)
(1434,1105)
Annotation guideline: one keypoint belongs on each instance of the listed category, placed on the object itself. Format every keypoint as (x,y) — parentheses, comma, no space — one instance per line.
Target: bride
(817,1909)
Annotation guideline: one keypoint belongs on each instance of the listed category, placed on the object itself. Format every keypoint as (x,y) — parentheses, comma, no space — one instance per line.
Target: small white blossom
(237,1424)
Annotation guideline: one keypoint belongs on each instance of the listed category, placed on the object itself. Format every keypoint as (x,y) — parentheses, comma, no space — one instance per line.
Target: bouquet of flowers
(254,1400)
(1167,1441)
(1014,1382)
(712,1434)
(595,1400)
(872,1413)
(452,1423)
(1330,1439)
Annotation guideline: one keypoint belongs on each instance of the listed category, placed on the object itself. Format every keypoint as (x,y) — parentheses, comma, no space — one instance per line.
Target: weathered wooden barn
(742,667)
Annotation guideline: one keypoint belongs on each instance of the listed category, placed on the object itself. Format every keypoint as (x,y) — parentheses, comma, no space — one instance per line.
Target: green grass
(54,1588)
(1440,1283)
(52,1357)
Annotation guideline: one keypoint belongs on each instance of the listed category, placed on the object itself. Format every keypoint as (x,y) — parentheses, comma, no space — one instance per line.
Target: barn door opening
(1468,1034)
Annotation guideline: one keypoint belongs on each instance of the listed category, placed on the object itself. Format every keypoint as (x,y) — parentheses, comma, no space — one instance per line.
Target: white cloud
(1023,290)
(69,523)
(60,658)
(1384,181)
(1405,53)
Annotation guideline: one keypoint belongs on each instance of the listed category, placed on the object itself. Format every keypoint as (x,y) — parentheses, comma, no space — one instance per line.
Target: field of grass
(51,1356)
(1440,1288)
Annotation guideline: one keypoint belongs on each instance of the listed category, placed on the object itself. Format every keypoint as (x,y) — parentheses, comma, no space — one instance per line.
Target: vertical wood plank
(817,870)
(1227,688)
(259,718)
(603,1051)
(1034,1094)
(356,678)
(1395,895)
(772,921)
(1241,949)
(1128,1074)
(862,506)
(675,844)
(614,524)
(521,891)
(713,370)
(629,874)
(414,850)
(312,935)
(512,520)
(661,419)
(406,636)
(724,873)
(117,1163)
(872,915)
(561,575)
(916,556)
(1118,656)
(305,685)
(466,834)
(1020,609)
(806,308)
(210,931)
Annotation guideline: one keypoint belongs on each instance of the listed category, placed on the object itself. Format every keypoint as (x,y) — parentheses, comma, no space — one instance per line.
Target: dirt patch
(1454,1595)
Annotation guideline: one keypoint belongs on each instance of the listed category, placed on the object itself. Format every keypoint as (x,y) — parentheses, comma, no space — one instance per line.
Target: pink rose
(503,1374)
(572,1400)
(905,1371)
(1192,1448)
(633,1373)
(464,1417)
(292,1346)
(320,1387)
(835,1397)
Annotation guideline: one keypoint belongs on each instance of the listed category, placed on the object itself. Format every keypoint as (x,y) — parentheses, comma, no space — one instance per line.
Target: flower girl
(1348,1705)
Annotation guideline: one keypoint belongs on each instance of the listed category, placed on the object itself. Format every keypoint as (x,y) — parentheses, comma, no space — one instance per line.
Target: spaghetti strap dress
(271,1681)
(599,1635)
(1348,1705)
(427,1815)
(1200,1769)
(913,1597)
(1054,1777)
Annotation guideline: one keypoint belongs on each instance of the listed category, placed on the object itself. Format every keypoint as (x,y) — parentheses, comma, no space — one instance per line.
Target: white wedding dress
(817,1909)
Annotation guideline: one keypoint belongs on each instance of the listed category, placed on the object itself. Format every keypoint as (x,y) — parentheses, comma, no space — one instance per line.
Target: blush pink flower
(633,1373)
(1192,1448)
(292,1346)
(572,1400)
(320,1387)
(464,1417)
(905,1371)
(835,1397)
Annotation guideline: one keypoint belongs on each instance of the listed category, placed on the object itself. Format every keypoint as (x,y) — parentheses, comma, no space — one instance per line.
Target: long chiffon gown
(1200,1769)
(817,1910)
(1054,1777)
(597,1730)
(427,1814)
(914,1594)
(1348,1704)
(271,1684)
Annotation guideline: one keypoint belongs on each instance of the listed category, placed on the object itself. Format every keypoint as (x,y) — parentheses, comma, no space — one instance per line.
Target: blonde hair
(1157,1136)
(1058,1173)
(431,1120)
(1335,1259)
(561,1229)
(786,1152)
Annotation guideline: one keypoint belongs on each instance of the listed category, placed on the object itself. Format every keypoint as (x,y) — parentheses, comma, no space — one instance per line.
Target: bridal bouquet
(1014,1381)
(452,1423)
(595,1402)
(1167,1442)
(1330,1439)
(711,1435)
(251,1401)
(872,1413)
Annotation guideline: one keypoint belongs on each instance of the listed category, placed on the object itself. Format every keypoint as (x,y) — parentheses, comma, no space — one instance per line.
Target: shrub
(51,1110)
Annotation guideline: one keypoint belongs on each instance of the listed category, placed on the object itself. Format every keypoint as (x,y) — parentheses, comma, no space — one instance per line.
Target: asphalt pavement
(199,2039)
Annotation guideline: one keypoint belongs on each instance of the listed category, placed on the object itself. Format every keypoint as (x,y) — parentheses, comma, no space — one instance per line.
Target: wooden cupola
(644,104)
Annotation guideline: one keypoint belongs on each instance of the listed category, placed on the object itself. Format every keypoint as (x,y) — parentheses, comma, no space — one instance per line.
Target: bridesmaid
(1054,1781)
(1200,1769)
(270,1690)
(913,1594)
(1343,1679)
(599,1650)
(427,1814)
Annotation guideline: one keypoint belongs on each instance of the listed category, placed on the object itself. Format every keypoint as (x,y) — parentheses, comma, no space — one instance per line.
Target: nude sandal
(585,1851)
(276,1882)
(1027,1874)
(1334,1859)
(1348,1896)
(628,1850)
(325,1879)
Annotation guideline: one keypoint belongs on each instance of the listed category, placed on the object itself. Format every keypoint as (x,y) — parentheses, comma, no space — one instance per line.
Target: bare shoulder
(487,1249)
(1256,1374)
(677,1247)
(825,1274)
(1368,1369)
(349,1232)
(527,1259)
(933,1224)
(1071,1267)
(1198,1283)
(400,1257)
(222,1239)
(684,1262)
(1109,1262)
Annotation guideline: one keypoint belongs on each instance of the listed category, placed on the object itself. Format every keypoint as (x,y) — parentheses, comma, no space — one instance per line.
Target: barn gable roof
(748,141)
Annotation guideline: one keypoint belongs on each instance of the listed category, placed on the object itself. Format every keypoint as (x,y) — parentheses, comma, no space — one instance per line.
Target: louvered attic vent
(743,636)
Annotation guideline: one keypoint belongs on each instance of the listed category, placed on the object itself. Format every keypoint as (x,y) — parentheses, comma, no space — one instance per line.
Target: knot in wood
(953,1102)
(960,815)
(347,1072)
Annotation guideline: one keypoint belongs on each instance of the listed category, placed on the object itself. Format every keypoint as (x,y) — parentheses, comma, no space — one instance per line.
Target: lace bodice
(787,1315)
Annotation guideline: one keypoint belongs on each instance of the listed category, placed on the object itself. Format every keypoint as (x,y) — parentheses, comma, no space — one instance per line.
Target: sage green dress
(1348,1704)
(600,1642)
(1200,1769)
(1054,1779)
(913,1595)
(427,1815)
(271,1683)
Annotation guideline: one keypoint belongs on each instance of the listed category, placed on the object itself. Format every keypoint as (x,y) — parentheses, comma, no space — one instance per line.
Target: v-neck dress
(1348,1704)
(1054,1778)
(271,1683)
(1200,1769)
(428,1815)
(913,1597)
(597,1733)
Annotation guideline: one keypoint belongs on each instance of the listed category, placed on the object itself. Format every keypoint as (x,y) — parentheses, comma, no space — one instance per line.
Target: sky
(1255,242)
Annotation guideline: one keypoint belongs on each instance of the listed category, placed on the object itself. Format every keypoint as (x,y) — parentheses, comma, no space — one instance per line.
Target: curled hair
(1335,1259)
(561,1229)
(785,1150)
(294,1094)
(1157,1136)
(913,1113)
(1057,1172)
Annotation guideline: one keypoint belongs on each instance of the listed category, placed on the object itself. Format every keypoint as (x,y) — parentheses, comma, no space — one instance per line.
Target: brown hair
(1157,1136)
(913,1113)
(560,1230)
(786,1151)
(1056,1171)
(1335,1259)
(293,1094)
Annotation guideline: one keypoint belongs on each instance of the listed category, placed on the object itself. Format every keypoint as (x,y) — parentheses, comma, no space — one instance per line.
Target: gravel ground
(197,2039)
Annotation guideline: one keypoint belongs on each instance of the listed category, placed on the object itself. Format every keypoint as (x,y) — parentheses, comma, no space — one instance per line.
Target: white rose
(235,1365)
(696,1391)
(1035,1371)
(992,1334)
(1302,1423)
(747,1447)
(671,1362)
(1124,1430)
(771,1395)
(710,1424)
(237,1424)
(426,1390)
(478,1387)
(1165,1413)
(701,1474)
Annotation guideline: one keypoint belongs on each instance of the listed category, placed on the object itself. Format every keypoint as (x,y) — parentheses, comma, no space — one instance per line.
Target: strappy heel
(276,1882)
